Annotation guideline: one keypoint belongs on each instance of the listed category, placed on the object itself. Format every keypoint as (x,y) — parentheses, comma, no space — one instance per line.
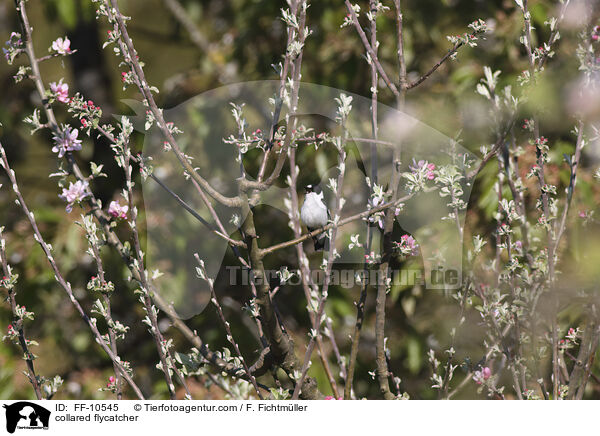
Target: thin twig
(18,322)
(95,251)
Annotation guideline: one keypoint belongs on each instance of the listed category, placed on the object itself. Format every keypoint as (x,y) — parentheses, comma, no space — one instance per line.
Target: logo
(26,415)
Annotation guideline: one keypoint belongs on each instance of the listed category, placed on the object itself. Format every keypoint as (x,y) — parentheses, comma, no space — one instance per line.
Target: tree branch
(370,50)
(342,222)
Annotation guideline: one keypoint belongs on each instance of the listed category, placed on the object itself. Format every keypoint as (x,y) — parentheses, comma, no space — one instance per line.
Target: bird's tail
(321,242)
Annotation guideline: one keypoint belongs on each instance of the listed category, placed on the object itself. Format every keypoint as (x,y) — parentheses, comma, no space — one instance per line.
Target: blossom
(111,382)
(330,397)
(374,202)
(354,242)
(371,258)
(430,169)
(518,247)
(74,194)
(62,46)
(482,375)
(61,90)
(407,245)
(14,44)
(424,167)
(66,140)
(116,210)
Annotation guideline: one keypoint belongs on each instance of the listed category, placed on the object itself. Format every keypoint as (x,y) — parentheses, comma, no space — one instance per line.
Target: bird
(314,214)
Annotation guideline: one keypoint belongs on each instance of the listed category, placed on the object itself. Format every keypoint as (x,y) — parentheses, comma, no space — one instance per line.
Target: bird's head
(312,188)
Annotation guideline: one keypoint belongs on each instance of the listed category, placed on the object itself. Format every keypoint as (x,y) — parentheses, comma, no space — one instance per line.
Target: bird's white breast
(313,212)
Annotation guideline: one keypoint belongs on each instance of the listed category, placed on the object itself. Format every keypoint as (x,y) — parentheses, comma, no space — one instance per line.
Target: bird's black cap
(313,188)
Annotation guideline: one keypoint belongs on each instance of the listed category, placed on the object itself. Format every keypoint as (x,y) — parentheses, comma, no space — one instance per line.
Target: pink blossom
(116,210)
(62,46)
(408,245)
(430,170)
(582,214)
(329,397)
(482,375)
(486,372)
(74,194)
(61,90)
(427,168)
(66,140)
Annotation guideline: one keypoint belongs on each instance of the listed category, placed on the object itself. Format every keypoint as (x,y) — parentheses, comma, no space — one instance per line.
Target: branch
(432,70)
(497,145)
(160,343)
(337,210)
(400,43)
(18,321)
(307,282)
(95,252)
(219,232)
(104,220)
(489,353)
(572,181)
(360,305)
(342,222)
(280,344)
(129,54)
(226,325)
(59,277)
(370,50)
(184,19)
